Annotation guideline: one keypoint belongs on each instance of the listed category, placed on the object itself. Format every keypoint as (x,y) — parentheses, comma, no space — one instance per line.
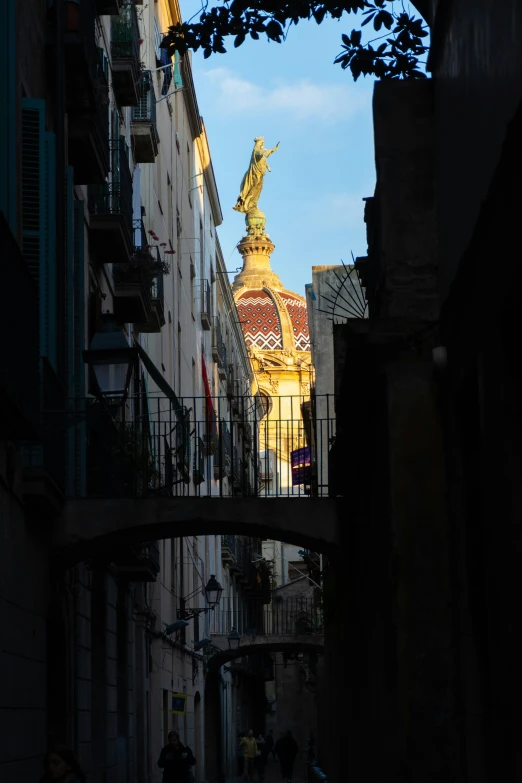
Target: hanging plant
(143,258)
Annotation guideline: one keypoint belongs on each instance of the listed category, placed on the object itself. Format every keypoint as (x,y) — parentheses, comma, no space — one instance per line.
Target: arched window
(267,403)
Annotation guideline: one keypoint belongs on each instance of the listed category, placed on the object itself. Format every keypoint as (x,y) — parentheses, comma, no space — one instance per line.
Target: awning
(158,378)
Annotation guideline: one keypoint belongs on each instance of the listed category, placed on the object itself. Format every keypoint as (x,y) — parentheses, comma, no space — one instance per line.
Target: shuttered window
(77,471)
(38,218)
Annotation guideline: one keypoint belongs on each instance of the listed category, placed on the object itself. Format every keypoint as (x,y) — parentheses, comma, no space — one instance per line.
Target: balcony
(132,295)
(110,209)
(44,461)
(19,380)
(141,564)
(86,91)
(156,317)
(219,351)
(228,548)
(203,294)
(125,55)
(143,123)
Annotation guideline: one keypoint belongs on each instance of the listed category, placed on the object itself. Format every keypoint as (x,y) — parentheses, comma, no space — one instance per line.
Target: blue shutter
(8,136)
(178,81)
(78,475)
(38,218)
(69,277)
(50,314)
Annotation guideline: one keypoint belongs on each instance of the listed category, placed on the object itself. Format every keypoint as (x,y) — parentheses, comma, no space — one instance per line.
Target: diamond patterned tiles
(260,320)
(299,318)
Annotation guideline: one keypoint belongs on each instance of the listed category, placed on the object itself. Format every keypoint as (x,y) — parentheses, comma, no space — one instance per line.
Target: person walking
(61,766)
(176,760)
(240,754)
(249,746)
(287,749)
(262,755)
(269,744)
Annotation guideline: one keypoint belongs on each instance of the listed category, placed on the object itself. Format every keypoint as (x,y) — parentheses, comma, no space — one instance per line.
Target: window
(267,403)
(157,41)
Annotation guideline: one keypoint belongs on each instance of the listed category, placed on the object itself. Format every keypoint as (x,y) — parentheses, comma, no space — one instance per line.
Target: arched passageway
(265,644)
(88,526)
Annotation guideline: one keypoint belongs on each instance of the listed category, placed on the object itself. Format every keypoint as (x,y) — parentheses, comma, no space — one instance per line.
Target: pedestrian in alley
(262,756)
(61,766)
(287,749)
(249,746)
(270,745)
(176,760)
(240,754)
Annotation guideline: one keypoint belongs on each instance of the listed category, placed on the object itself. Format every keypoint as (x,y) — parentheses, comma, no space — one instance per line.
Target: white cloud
(303,100)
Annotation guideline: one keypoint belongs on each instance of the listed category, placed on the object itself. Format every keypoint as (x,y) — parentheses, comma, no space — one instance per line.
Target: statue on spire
(252,185)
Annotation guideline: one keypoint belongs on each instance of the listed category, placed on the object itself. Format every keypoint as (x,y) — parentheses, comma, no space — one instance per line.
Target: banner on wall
(301,466)
(179,703)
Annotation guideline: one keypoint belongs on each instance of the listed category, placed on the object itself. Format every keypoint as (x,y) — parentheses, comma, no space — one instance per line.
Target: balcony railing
(132,295)
(151,450)
(86,91)
(125,55)
(139,564)
(300,616)
(219,350)
(143,123)
(110,208)
(204,301)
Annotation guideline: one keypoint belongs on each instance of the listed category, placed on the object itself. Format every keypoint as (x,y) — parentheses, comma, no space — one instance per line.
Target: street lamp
(213,591)
(233,639)
(112,360)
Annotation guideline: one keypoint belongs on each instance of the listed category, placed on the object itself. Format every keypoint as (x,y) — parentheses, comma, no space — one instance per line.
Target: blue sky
(292,93)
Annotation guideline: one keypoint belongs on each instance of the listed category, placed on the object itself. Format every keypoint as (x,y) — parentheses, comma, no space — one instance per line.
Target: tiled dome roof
(297,311)
(260,321)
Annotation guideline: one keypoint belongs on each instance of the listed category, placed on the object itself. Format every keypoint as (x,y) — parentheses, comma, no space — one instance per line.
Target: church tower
(275,325)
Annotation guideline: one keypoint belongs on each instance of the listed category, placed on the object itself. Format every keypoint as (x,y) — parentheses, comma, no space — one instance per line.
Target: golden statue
(252,182)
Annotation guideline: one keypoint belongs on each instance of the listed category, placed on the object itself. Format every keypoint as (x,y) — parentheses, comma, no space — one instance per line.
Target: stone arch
(308,644)
(88,527)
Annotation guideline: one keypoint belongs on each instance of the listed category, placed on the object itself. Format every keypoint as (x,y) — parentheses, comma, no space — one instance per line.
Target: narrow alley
(244,483)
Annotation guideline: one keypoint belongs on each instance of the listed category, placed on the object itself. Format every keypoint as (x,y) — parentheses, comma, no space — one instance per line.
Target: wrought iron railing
(145,111)
(219,349)
(125,33)
(115,197)
(148,447)
(292,617)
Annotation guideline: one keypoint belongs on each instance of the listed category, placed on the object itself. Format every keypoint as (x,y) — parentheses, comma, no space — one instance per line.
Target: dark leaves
(395,58)
(274,31)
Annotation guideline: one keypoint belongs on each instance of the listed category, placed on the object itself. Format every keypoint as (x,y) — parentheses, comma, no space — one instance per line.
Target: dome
(263,314)
(272,318)
(298,313)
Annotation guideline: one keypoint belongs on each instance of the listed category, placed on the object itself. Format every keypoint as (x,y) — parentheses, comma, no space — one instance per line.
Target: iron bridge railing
(291,617)
(207,446)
